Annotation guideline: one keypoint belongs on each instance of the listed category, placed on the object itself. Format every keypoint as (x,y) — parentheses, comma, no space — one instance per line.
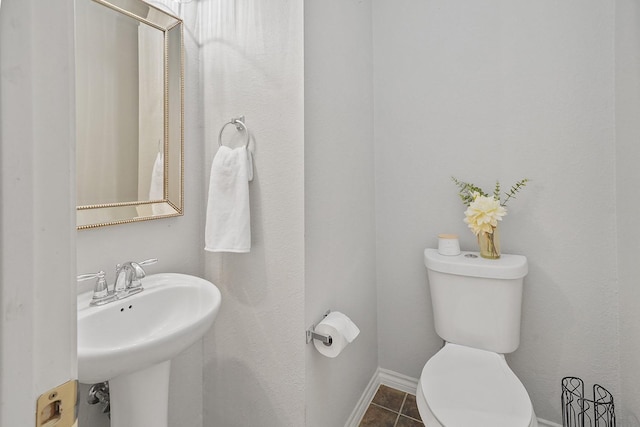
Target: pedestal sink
(131,342)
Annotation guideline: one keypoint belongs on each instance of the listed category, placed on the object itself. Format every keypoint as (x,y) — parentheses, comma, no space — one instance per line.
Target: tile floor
(392,408)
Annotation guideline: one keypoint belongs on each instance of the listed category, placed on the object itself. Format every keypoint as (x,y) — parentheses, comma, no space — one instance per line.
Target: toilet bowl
(477,311)
(466,387)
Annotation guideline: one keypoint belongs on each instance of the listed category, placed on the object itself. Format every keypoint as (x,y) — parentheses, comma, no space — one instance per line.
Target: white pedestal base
(141,399)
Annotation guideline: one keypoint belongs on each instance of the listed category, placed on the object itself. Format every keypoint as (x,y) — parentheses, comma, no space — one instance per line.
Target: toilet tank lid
(471,264)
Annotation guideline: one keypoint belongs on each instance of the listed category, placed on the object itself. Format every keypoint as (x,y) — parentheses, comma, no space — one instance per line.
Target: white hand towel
(156,189)
(228,227)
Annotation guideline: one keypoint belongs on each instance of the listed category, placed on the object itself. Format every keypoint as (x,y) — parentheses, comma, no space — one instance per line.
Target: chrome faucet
(127,282)
(128,277)
(101,293)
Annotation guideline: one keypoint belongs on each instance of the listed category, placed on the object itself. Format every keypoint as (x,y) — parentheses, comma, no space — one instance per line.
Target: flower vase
(489,244)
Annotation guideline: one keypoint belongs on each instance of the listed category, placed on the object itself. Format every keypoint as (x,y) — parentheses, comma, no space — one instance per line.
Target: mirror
(129,120)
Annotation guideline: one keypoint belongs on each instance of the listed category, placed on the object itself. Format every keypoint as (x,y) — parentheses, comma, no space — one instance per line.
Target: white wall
(339,200)
(252,64)
(176,242)
(627,205)
(501,89)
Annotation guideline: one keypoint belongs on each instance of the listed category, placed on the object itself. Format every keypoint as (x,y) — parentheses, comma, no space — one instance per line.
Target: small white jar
(448,244)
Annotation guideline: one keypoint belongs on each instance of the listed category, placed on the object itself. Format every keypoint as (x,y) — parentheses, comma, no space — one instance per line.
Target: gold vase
(489,244)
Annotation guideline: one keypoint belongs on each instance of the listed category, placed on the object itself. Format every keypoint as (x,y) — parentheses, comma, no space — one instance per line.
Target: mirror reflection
(129,112)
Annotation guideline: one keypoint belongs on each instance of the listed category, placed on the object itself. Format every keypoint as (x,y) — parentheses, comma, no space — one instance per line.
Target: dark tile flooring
(392,408)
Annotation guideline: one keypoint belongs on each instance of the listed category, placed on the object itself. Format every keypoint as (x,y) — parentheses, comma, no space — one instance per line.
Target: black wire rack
(578,411)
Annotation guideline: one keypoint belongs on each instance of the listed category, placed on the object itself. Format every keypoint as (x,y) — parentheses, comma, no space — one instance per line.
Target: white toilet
(476,310)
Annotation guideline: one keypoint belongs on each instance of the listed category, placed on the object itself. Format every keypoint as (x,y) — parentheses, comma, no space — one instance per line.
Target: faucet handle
(83,277)
(148,261)
(139,272)
(101,293)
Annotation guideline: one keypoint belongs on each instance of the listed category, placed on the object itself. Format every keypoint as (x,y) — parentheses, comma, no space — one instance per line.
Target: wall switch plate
(58,406)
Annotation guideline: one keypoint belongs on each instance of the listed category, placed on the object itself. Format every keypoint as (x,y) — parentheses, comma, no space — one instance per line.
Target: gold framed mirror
(130,113)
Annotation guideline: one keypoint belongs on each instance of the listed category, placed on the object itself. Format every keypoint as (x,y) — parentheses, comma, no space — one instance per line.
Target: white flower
(484,213)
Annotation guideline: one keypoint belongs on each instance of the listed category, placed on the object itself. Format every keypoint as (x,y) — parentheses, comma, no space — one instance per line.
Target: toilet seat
(464,386)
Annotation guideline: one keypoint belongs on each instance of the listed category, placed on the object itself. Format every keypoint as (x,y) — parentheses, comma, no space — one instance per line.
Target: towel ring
(239,122)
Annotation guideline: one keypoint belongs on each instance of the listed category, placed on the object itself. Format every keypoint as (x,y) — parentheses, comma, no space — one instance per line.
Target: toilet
(476,311)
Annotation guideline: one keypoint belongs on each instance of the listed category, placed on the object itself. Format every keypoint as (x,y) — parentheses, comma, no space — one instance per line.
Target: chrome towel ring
(239,122)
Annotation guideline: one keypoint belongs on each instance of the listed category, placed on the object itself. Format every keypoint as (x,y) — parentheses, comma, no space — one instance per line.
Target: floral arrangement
(484,211)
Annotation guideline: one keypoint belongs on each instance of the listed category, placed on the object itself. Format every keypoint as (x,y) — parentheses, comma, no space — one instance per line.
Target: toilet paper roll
(341,330)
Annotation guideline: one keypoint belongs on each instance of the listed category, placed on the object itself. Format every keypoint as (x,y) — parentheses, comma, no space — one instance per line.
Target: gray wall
(501,90)
(252,64)
(174,241)
(339,200)
(627,205)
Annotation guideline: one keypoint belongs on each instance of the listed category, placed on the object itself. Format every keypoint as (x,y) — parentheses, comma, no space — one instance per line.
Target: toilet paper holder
(313,335)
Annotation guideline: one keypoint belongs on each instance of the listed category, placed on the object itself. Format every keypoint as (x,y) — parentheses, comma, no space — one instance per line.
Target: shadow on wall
(90,415)
(534,344)
(235,378)
(632,421)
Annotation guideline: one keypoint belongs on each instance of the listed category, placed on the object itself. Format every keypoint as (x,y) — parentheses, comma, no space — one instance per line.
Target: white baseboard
(381,376)
(545,423)
(399,382)
(365,400)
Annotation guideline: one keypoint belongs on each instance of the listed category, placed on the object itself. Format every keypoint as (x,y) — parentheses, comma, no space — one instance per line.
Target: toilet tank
(477,302)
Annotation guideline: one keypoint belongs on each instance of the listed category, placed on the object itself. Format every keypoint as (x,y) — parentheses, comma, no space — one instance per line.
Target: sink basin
(131,342)
(172,313)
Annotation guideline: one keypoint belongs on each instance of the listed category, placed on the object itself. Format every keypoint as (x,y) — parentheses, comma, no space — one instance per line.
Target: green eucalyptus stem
(492,246)
(489,248)
(515,188)
(466,190)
